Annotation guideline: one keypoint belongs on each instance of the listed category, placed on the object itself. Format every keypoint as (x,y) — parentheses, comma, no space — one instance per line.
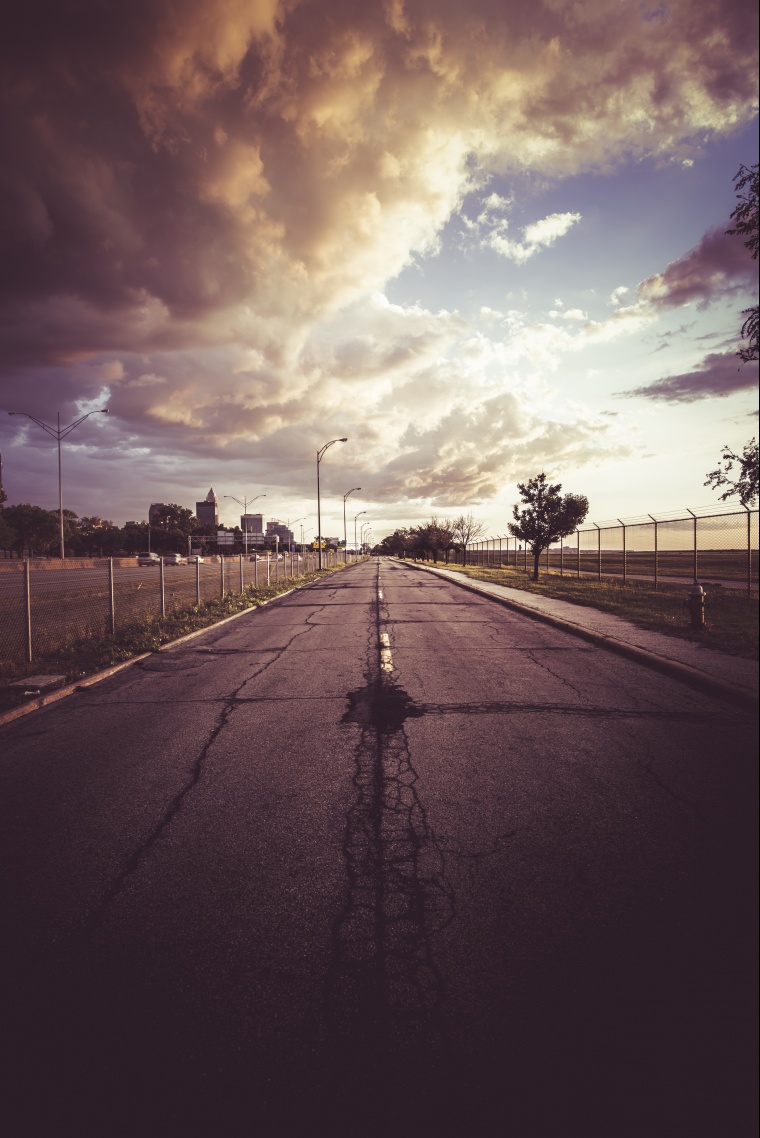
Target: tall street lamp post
(245,504)
(364,526)
(59,433)
(357,516)
(320,455)
(345,538)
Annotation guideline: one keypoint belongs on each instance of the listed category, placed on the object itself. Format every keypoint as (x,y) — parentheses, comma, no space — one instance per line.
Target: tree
(36,529)
(464,530)
(168,516)
(747,225)
(396,544)
(96,534)
(545,516)
(8,535)
(433,537)
(745,482)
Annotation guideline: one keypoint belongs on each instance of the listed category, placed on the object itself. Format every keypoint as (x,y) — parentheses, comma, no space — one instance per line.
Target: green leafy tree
(744,482)
(396,544)
(545,516)
(134,537)
(96,535)
(8,535)
(36,529)
(170,516)
(747,225)
(432,538)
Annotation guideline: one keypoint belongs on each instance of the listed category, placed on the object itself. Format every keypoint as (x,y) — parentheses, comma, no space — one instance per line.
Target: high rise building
(207,511)
(277,529)
(252,523)
(155,512)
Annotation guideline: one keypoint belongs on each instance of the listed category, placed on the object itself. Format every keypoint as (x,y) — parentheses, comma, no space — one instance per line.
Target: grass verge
(93,654)
(731,617)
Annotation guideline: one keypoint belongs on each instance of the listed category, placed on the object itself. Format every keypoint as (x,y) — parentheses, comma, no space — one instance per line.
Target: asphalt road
(383,858)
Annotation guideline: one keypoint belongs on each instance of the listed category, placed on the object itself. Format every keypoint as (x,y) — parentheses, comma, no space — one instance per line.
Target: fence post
(277,569)
(655,549)
(221,576)
(111,599)
(256,572)
(562,557)
(547,557)
(578,543)
(598,553)
(161,585)
(242,582)
(28,611)
(197,581)
(625,567)
(695,541)
(749,552)
(269,567)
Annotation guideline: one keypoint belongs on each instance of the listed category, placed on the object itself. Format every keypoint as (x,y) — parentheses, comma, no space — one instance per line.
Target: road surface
(383,858)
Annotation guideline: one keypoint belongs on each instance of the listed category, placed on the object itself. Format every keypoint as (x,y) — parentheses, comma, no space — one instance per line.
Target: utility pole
(59,433)
(320,455)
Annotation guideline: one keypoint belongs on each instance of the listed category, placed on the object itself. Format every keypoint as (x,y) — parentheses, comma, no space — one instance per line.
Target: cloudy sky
(479,239)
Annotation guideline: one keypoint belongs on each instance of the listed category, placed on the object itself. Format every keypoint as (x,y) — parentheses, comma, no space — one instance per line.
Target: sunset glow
(479,240)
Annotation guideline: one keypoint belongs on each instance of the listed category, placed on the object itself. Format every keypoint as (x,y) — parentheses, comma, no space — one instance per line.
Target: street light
(320,454)
(362,528)
(59,433)
(345,540)
(357,516)
(245,504)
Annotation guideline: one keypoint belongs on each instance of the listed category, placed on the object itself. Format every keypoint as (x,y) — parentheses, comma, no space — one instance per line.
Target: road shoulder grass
(731,618)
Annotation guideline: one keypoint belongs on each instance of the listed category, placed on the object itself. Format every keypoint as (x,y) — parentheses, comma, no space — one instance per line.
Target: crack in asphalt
(174,806)
(562,679)
(384,988)
(510,707)
(648,769)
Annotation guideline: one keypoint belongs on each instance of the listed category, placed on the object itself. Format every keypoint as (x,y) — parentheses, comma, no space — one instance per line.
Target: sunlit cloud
(206,205)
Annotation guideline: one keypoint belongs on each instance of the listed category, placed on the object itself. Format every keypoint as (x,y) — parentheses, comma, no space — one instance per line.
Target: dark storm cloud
(718,266)
(719,374)
(189,191)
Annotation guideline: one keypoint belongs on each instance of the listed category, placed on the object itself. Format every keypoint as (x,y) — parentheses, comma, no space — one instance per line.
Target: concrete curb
(90,681)
(711,685)
(60,693)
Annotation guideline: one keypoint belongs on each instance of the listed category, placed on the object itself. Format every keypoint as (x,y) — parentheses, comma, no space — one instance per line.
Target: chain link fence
(48,605)
(712,548)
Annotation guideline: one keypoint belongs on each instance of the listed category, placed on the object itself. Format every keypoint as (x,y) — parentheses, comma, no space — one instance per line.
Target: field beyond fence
(47,607)
(720,549)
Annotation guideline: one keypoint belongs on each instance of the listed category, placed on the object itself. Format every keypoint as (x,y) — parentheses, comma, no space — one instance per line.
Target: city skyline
(477,242)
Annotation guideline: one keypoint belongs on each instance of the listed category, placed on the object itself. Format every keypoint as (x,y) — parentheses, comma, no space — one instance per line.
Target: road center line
(386,660)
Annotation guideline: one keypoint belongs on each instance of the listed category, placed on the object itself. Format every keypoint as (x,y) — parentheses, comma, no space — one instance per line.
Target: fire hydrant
(697,605)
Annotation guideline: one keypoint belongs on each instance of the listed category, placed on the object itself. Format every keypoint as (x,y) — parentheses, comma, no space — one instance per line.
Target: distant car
(196,559)
(148,559)
(175,559)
